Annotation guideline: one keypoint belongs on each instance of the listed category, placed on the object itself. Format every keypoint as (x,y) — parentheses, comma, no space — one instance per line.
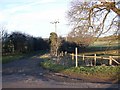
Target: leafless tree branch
(92,14)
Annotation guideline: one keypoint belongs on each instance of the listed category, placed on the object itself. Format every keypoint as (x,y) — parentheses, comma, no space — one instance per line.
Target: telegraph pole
(55,22)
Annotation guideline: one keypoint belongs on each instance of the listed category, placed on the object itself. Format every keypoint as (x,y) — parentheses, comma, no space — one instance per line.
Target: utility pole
(55,22)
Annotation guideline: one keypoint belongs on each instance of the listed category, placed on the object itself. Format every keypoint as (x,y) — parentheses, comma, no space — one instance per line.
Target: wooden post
(62,53)
(110,60)
(72,56)
(65,52)
(95,60)
(76,57)
(83,57)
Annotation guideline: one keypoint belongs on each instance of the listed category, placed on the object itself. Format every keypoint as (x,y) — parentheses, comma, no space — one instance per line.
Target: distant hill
(108,38)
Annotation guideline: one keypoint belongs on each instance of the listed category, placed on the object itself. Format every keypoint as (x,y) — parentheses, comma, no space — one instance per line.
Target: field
(106,46)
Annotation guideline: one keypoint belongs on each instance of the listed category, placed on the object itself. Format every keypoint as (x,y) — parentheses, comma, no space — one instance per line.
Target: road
(27,73)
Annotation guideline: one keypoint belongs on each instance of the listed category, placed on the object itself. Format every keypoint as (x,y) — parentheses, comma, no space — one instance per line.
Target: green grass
(102,48)
(94,71)
(106,42)
(107,70)
(10,58)
(104,45)
(48,64)
(82,69)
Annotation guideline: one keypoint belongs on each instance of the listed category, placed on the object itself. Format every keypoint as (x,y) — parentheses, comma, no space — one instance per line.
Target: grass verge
(12,57)
(94,72)
(48,64)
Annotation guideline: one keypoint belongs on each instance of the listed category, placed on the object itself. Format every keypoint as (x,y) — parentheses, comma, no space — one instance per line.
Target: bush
(48,64)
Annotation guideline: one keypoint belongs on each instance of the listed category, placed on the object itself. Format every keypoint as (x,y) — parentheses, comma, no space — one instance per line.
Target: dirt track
(26,73)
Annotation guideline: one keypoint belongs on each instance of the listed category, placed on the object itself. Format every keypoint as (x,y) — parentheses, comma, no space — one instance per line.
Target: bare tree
(96,15)
(4,34)
(80,37)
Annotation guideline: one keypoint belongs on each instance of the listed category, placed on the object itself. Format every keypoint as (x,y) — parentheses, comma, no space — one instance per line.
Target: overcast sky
(34,16)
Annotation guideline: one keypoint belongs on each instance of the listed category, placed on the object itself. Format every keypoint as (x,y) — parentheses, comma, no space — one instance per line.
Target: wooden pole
(72,56)
(95,59)
(62,53)
(76,57)
(83,57)
(65,52)
(110,60)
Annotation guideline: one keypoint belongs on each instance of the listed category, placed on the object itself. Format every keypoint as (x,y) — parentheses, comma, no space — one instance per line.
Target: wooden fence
(95,57)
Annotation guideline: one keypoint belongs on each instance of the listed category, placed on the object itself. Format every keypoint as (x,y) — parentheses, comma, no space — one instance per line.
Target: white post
(65,52)
(83,57)
(94,59)
(62,53)
(76,57)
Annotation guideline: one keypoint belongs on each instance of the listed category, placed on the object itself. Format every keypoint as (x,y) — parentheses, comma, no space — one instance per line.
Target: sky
(33,17)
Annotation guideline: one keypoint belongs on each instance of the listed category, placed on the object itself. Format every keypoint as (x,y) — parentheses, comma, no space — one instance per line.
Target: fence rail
(95,57)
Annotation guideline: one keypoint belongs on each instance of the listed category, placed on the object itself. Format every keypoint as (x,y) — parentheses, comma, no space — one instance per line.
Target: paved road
(27,73)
